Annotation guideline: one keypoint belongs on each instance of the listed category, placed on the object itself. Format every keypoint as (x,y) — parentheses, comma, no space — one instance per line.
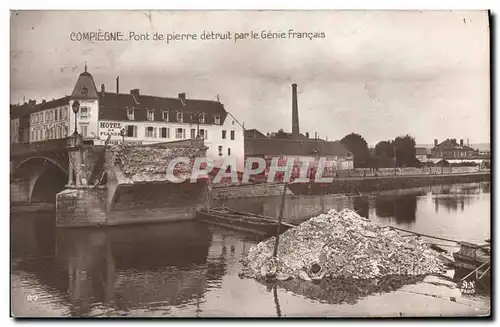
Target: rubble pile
(340,245)
(153,160)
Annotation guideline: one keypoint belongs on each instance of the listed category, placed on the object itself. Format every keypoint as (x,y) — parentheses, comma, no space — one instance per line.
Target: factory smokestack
(117,84)
(295,113)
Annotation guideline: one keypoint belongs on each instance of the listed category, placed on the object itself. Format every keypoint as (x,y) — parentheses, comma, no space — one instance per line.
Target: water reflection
(345,290)
(162,267)
(402,208)
(362,206)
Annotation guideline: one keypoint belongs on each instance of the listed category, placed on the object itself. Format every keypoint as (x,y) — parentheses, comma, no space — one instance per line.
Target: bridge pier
(126,197)
(19,191)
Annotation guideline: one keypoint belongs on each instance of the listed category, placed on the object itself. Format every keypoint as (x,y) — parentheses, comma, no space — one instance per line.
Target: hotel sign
(107,128)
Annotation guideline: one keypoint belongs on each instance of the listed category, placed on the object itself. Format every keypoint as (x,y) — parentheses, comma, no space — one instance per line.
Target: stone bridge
(100,185)
(38,171)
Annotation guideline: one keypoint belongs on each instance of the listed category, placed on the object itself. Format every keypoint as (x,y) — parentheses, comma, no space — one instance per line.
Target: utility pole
(197,115)
(395,159)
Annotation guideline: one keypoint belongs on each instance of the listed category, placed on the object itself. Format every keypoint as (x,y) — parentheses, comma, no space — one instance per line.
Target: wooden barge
(241,221)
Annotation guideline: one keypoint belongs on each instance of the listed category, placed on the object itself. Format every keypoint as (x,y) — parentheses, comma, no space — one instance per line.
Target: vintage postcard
(250,164)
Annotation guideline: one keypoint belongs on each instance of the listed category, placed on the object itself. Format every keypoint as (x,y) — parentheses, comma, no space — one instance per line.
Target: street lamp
(76,108)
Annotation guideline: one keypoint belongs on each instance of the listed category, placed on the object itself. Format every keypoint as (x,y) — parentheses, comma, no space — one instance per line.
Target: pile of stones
(340,245)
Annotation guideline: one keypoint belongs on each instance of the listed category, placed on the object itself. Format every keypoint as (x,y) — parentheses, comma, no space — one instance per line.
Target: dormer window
(130,114)
(85,91)
(202,118)
(164,115)
(84,112)
(179,117)
(217,119)
(151,115)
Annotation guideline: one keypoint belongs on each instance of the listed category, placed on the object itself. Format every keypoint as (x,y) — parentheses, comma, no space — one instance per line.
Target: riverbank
(356,185)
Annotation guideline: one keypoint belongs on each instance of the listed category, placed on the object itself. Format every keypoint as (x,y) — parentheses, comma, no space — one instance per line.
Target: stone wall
(248,191)
(81,207)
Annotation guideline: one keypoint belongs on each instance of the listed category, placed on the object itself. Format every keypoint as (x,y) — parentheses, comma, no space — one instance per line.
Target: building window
(179,133)
(150,132)
(165,133)
(32,135)
(232,135)
(130,114)
(193,133)
(202,118)
(131,131)
(217,119)
(220,150)
(56,118)
(228,151)
(224,134)
(83,130)
(164,115)
(203,134)
(151,115)
(46,114)
(179,117)
(84,112)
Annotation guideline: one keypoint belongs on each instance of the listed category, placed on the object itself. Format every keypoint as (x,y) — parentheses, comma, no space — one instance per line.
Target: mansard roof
(114,106)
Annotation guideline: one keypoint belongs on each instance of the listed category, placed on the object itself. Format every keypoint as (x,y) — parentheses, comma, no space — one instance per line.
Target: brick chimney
(307,134)
(103,89)
(117,84)
(182,96)
(295,113)
(461,142)
(435,142)
(134,91)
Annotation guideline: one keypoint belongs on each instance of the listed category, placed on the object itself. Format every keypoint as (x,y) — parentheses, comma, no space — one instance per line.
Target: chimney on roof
(103,89)
(461,142)
(435,142)
(295,112)
(182,96)
(134,91)
(117,84)
(43,101)
(307,134)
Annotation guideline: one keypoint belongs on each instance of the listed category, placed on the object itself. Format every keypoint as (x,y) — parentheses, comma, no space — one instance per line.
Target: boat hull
(242,222)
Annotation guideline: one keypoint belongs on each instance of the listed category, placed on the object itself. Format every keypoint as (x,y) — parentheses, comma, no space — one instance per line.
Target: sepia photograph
(250,163)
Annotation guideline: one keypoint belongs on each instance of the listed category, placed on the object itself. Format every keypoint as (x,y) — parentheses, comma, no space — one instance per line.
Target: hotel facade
(131,118)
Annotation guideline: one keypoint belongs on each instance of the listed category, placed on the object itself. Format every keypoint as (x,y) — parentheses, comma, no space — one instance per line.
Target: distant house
(450,149)
(422,154)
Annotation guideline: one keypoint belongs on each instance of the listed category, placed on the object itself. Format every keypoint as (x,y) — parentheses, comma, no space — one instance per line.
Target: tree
(405,151)
(385,149)
(359,148)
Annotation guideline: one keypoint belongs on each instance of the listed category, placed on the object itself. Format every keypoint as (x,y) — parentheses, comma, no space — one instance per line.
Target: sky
(380,74)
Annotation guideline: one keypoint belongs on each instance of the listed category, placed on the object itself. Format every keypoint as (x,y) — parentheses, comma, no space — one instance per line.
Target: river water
(191,269)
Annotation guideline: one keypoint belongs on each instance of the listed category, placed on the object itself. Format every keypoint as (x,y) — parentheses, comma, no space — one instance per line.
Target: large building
(450,149)
(129,117)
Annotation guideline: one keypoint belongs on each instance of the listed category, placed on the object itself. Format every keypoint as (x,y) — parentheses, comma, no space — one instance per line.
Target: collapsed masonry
(340,245)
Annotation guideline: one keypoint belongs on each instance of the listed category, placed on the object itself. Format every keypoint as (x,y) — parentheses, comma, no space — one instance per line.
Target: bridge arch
(43,158)
(46,177)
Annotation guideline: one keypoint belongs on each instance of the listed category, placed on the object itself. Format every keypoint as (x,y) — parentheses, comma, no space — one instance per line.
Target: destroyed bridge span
(95,185)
